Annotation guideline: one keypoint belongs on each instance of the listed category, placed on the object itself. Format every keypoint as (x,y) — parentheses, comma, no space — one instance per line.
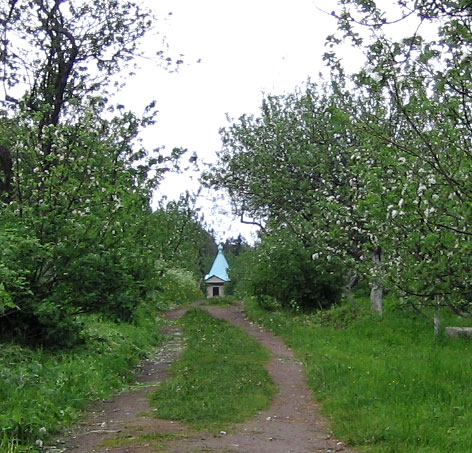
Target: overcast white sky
(245,48)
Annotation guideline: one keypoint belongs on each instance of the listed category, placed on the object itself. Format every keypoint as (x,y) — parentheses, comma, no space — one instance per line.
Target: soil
(125,423)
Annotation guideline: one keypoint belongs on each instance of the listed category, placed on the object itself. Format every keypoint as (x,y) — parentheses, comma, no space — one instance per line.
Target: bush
(286,272)
(268,303)
(177,286)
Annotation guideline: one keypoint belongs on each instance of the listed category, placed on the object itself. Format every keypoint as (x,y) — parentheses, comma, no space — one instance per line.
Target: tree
(377,166)
(426,162)
(293,168)
(76,182)
(180,238)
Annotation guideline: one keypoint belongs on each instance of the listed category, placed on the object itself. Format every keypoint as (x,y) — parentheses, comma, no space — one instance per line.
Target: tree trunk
(351,280)
(437,324)
(376,293)
(6,167)
(437,319)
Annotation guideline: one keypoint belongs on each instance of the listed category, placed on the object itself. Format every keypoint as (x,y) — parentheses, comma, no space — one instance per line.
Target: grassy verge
(42,391)
(219,379)
(386,384)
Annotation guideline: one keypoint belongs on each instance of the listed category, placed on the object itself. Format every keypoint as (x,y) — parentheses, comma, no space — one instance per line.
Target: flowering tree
(381,168)
(76,182)
(418,169)
(292,167)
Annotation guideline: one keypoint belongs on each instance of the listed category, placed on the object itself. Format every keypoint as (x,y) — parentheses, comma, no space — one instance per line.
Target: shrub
(286,272)
(177,286)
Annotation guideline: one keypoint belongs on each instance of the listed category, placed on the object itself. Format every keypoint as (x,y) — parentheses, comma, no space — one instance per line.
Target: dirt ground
(126,424)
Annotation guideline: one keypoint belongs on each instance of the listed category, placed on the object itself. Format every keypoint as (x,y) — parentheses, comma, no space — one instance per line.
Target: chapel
(216,279)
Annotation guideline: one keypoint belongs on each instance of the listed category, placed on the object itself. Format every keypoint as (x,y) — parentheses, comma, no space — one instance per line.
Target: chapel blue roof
(220,266)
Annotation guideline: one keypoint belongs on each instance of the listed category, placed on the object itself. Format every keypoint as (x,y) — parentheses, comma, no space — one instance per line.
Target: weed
(8,445)
(226,300)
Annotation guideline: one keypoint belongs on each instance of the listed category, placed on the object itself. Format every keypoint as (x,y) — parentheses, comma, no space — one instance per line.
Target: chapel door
(216,291)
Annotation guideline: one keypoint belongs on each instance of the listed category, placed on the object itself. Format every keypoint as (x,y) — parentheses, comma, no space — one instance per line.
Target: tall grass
(386,383)
(42,391)
(219,379)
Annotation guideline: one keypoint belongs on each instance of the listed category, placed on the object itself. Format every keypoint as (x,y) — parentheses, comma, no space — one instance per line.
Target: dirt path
(127,418)
(291,425)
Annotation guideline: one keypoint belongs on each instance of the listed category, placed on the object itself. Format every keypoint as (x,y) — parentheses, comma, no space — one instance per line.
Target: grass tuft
(219,379)
(154,440)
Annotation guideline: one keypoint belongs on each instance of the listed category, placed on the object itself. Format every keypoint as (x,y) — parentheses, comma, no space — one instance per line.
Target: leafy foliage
(292,168)
(284,270)
(78,235)
(184,242)
(371,171)
(420,164)
(177,287)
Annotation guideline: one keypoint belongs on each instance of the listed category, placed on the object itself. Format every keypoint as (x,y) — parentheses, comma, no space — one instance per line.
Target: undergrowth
(42,391)
(386,383)
(219,379)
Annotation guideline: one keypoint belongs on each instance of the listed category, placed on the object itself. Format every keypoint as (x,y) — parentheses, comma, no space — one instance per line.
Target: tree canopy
(78,235)
(374,164)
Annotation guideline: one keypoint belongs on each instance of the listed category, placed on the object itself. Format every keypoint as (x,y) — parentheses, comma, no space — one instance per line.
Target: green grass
(155,440)
(219,379)
(42,391)
(386,384)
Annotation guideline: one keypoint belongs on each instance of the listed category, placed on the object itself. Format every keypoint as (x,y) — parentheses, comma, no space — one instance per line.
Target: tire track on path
(292,424)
